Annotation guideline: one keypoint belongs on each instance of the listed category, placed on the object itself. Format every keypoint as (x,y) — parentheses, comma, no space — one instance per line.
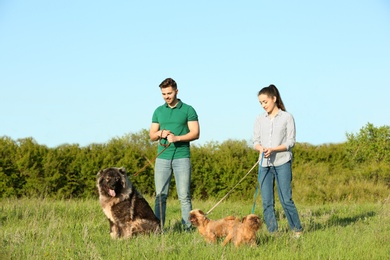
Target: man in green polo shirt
(175,124)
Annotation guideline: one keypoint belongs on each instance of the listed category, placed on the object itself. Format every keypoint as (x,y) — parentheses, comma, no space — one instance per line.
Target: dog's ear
(201,212)
(99,172)
(122,170)
(243,219)
(123,173)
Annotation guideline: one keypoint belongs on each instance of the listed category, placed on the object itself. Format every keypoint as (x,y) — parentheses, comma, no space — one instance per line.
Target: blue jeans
(162,178)
(283,176)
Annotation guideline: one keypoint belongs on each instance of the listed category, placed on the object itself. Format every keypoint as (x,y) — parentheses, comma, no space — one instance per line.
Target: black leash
(165,147)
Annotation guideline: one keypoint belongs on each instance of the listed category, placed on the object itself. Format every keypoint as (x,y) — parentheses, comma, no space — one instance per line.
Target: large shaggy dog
(127,211)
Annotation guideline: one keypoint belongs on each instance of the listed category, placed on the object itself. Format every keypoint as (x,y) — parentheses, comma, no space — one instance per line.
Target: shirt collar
(179,104)
(277,114)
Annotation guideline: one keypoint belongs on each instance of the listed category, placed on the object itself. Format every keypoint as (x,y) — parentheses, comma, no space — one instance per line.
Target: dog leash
(258,185)
(165,147)
(208,212)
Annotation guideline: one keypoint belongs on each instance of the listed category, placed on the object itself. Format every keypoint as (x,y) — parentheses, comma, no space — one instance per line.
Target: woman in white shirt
(274,137)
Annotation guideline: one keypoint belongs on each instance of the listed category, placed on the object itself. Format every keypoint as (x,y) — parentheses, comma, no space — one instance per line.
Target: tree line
(356,170)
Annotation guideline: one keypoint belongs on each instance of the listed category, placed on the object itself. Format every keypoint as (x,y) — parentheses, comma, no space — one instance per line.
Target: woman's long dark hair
(272,91)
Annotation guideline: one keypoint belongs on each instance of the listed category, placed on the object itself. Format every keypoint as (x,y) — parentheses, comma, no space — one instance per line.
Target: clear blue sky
(85,72)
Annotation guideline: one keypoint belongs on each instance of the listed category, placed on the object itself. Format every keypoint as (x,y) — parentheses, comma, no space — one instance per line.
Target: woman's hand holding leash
(267,152)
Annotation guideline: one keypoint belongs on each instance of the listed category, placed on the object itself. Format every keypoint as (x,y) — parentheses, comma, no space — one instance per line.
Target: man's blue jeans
(283,176)
(162,178)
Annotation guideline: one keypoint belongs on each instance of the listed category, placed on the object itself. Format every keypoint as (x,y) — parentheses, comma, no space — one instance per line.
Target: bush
(357,170)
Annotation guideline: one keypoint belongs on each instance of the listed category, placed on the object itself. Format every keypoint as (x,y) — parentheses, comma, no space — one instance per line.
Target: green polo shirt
(176,120)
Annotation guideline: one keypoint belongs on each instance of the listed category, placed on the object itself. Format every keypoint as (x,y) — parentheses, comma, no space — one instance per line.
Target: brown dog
(127,211)
(245,231)
(212,229)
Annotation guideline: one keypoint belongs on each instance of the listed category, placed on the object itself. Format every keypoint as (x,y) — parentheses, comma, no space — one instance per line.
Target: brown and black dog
(127,211)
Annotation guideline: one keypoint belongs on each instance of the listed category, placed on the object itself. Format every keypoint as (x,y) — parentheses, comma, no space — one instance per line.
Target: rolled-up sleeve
(290,132)
(257,132)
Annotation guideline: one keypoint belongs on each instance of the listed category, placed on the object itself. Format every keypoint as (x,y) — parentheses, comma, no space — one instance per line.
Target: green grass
(78,229)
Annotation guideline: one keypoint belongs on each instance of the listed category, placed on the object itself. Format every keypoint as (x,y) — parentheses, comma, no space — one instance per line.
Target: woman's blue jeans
(162,178)
(283,176)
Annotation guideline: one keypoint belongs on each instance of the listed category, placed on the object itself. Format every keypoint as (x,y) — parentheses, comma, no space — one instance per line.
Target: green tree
(62,171)
(218,167)
(371,144)
(29,159)
(10,179)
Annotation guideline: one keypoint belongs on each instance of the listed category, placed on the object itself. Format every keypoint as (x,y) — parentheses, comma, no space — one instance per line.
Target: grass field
(78,229)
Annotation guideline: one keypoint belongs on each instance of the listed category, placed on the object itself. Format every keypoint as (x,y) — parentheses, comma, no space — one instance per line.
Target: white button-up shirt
(272,132)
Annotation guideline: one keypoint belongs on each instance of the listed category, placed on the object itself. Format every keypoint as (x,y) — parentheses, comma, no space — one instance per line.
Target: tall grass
(78,229)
